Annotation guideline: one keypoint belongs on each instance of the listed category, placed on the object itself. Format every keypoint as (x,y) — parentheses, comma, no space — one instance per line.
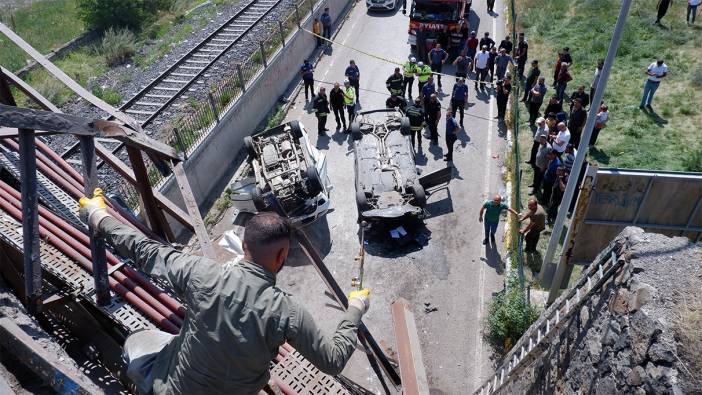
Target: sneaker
(484,241)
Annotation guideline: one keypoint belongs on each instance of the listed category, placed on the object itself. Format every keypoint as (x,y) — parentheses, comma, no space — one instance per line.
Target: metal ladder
(537,337)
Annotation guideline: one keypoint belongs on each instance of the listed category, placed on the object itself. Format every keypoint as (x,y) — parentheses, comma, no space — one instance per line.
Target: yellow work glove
(360,300)
(93,210)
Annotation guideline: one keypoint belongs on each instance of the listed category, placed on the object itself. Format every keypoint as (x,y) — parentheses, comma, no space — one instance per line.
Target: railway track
(171,84)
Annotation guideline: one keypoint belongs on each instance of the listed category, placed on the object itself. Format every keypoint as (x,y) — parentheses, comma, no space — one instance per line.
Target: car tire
(258,201)
(295,130)
(420,197)
(249,145)
(405,127)
(361,202)
(314,182)
(356,131)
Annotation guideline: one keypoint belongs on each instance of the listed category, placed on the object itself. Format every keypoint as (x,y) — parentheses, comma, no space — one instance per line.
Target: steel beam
(412,371)
(97,242)
(640,225)
(156,218)
(191,205)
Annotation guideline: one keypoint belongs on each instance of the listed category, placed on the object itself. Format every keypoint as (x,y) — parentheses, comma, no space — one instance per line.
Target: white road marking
(481,276)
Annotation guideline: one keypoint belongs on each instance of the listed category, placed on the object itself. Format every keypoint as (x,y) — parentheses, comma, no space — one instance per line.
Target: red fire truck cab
(429,18)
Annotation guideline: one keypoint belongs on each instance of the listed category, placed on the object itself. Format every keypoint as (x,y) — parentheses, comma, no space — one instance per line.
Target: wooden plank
(156,218)
(66,80)
(25,118)
(412,371)
(191,205)
(29,91)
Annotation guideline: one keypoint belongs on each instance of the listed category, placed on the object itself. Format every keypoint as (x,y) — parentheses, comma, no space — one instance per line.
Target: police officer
(307,73)
(349,100)
(458,97)
(427,90)
(236,317)
(321,110)
(409,70)
(423,74)
(415,113)
(396,101)
(353,74)
(336,100)
(394,82)
(432,108)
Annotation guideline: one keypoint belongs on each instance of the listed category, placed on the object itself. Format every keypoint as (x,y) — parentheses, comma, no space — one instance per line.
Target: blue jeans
(650,88)
(691,13)
(490,228)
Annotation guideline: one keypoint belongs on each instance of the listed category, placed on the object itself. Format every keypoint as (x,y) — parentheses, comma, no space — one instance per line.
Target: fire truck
(429,18)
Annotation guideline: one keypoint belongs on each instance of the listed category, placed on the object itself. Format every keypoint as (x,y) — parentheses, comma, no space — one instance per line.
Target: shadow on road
(380,243)
(319,235)
(493,259)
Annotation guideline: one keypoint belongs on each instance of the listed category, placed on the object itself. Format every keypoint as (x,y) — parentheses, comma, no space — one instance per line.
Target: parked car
(290,173)
(387,5)
(387,184)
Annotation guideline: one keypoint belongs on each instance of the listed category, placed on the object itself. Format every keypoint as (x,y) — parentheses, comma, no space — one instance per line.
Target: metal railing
(189,130)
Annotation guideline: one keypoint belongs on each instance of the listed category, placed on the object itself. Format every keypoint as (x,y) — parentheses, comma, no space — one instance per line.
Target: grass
(219,208)
(633,138)
(46,25)
(688,333)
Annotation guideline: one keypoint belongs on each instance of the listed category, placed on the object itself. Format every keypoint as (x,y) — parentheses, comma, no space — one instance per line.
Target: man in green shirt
(492,210)
(537,223)
(236,319)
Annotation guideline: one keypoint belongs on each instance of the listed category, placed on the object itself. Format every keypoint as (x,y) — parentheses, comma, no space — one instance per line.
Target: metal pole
(263,54)
(214,107)
(240,73)
(282,33)
(584,141)
(297,15)
(97,242)
(30,220)
(181,144)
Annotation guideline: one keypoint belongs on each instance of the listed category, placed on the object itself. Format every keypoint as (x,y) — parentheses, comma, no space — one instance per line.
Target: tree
(130,14)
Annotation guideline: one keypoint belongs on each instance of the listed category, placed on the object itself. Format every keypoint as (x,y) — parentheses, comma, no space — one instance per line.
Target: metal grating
(304,378)
(50,194)
(75,277)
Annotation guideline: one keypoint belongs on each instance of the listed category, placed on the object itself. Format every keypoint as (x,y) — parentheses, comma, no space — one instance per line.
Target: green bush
(132,14)
(110,96)
(693,161)
(696,77)
(508,316)
(118,45)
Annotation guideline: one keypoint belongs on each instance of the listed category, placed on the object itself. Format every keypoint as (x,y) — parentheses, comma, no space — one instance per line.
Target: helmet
(420,64)
(413,60)
(346,82)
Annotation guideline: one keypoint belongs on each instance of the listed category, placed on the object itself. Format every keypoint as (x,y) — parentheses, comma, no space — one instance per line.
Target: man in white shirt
(692,10)
(561,141)
(481,66)
(655,72)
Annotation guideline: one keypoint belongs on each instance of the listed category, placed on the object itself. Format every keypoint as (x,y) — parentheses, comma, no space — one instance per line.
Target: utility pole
(582,148)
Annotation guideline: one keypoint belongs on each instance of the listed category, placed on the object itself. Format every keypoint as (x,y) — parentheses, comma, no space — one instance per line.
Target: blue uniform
(458,99)
(427,91)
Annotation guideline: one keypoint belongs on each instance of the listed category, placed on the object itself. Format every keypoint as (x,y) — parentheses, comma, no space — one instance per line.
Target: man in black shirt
(534,73)
(336,100)
(521,55)
(580,94)
(321,110)
(504,88)
(576,121)
(433,113)
(395,101)
(563,57)
(486,41)
(506,44)
(415,113)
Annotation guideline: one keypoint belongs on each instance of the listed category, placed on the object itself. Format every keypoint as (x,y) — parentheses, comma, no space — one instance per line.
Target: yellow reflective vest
(409,69)
(349,96)
(423,73)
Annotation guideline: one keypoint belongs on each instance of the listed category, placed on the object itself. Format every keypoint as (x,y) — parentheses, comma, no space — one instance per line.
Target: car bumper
(388,5)
(411,39)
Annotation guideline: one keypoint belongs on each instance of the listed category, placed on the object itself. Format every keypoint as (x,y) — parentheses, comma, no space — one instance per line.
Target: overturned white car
(289,173)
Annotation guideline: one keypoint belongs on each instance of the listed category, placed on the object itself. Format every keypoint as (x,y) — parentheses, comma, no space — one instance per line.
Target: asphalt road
(453,272)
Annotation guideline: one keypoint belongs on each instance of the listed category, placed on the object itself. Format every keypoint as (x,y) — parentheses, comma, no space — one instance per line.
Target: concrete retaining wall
(211,166)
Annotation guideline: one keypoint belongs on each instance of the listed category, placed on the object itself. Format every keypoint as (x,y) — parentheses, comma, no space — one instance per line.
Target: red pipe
(119,276)
(65,248)
(161,296)
(59,161)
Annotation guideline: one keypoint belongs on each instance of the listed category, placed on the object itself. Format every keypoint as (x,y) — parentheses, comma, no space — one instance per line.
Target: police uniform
(415,114)
(321,110)
(409,70)
(350,102)
(423,74)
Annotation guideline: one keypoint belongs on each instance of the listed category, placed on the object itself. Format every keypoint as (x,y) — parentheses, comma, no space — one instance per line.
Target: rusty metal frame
(412,371)
(189,200)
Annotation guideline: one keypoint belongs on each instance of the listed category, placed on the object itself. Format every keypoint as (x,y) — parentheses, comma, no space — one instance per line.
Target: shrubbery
(693,161)
(117,45)
(508,316)
(131,14)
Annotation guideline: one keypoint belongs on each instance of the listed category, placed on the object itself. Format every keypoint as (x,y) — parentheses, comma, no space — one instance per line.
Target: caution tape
(465,111)
(387,60)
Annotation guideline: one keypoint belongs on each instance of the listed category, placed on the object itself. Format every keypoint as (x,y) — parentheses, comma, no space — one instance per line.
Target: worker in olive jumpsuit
(236,320)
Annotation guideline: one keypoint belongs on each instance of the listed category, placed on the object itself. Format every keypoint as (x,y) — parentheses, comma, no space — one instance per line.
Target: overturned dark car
(387,184)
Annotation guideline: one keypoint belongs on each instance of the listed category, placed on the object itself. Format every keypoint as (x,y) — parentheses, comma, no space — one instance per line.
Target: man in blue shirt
(307,73)
(353,74)
(427,90)
(437,58)
(326,25)
(451,135)
(458,97)
(550,176)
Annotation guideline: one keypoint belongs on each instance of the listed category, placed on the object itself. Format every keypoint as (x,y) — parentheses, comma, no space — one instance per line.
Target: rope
(385,59)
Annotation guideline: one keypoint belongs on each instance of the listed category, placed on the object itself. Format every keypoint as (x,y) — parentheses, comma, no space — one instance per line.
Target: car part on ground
(387,184)
(290,173)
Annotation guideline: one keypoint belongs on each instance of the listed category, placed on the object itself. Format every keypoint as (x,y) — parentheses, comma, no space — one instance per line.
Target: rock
(636,376)
(620,303)
(594,347)
(606,386)
(662,353)
(641,293)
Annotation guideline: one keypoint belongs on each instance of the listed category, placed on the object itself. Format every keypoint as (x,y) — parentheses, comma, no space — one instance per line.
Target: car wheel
(405,127)
(295,130)
(258,201)
(420,197)
(356,131)
(361,201)
(314,182)
(248,143)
